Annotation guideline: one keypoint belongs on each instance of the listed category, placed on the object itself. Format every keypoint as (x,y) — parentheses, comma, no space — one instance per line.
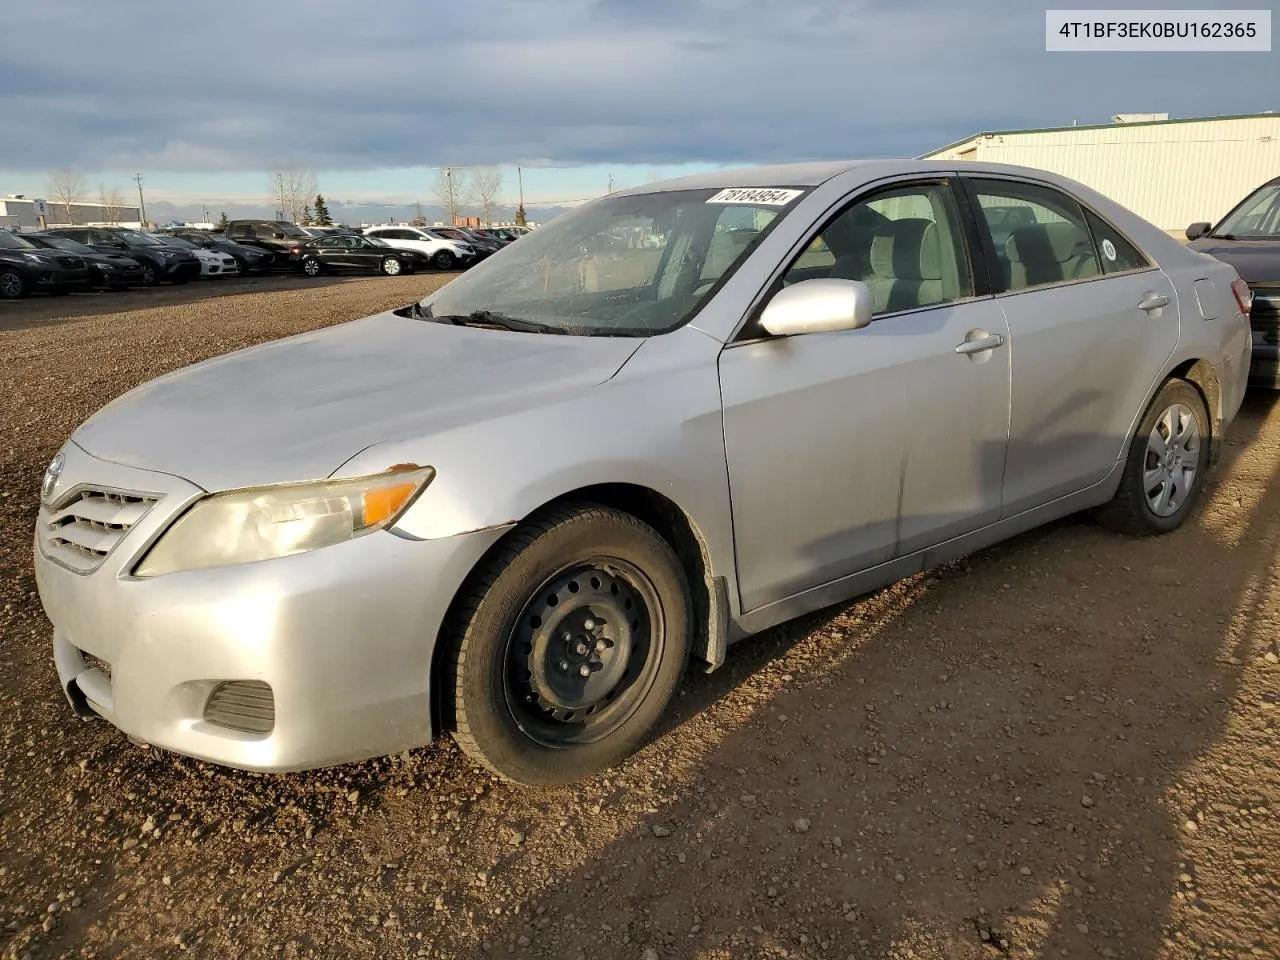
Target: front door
(849,448)
(1092,323)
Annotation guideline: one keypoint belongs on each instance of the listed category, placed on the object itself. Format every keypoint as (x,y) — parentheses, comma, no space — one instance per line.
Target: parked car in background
(443,254)
(1248,238)
(27,267)
(250,259)
(280,238)
(361,254)
(506,234)
(112,271)
(213,263)
(484,247)
(340,544)
(159,260)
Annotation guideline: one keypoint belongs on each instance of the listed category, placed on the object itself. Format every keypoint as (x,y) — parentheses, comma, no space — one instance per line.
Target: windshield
(627,265)
(134,239)
(1258,218)
(71,246)
(178,242)
(11,241)
(289,229)
(378,242)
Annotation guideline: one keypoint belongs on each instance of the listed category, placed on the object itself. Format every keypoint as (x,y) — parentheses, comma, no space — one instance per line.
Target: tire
(392,266)
(522,706)
(444,260)
(1156,494)
(13,285)
(150,276)
(312,268)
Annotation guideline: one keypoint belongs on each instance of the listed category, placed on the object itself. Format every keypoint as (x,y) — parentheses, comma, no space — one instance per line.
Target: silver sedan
(674,417)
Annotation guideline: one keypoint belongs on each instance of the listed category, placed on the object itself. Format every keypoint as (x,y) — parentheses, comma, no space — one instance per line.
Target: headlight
(38,257)
(262,523)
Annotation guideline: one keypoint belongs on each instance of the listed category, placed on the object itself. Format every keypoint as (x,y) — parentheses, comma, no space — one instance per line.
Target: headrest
(907,250)
(1041,242)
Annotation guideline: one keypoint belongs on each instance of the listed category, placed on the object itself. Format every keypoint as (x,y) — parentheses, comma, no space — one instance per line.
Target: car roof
(813,174)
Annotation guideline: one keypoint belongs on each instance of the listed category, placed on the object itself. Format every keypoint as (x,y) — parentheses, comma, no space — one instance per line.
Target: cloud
(333,85)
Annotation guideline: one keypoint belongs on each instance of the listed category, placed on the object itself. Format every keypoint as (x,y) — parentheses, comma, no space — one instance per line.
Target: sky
(205,100)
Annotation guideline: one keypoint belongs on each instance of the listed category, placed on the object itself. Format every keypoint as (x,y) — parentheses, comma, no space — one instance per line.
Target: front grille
(245,705)
(82,532)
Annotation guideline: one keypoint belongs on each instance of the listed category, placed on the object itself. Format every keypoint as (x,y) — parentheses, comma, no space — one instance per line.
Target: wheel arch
(1200,374)
(707,590)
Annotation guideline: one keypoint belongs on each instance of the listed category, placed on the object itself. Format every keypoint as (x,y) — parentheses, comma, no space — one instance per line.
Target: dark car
(159,260)
(1248,238)
(106,270)
(482,245)
(26,267)
(366,254)
(501,234)
(280,238)
(250,259)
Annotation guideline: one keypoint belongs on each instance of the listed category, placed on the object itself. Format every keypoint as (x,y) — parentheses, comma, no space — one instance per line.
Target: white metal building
(1171,172)
(18,211)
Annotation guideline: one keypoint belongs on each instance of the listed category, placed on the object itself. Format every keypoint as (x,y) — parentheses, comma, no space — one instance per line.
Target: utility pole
(280,190)
(520,215)
(611,183)
(142,204)
(453,210)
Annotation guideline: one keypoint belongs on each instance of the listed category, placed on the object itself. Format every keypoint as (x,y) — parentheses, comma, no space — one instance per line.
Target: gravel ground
(1062,747)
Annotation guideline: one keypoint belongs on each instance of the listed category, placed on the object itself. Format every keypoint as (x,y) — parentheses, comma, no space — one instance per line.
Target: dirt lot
(1063,747)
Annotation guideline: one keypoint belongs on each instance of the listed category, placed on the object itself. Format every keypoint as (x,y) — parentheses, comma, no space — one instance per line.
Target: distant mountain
(353,214)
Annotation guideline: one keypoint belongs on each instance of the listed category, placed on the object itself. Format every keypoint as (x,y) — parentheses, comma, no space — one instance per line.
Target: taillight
(1244,296)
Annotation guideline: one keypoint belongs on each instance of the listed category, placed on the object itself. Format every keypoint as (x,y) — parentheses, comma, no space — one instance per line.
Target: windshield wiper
(488,318)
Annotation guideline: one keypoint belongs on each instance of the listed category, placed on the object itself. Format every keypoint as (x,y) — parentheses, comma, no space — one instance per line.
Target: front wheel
(150,276)
(311,268)
(391,266)
(567,646)
(444,260)
(1165,469)
(13,286)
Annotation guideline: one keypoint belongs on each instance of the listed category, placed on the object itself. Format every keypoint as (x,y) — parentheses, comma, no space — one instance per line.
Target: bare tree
(111,200)
(450,187)
(419,218)
(486,185)
(67,187)
(293,189)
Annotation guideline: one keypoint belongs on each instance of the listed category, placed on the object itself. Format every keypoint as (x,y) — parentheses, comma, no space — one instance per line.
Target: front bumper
(63,278)
(342,637)
(1265,324)
(182,269)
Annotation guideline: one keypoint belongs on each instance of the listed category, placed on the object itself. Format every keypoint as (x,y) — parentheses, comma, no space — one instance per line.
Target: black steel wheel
(567,645)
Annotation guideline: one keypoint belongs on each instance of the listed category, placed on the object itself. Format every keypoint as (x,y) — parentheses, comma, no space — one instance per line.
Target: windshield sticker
(768,196)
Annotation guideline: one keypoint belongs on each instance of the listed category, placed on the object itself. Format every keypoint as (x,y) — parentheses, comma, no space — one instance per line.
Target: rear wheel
(568,646)
(444,260)
(391,266)
(1166,466)
(150,276)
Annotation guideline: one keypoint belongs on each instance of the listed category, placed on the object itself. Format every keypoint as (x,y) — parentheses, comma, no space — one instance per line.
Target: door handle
(982,343)
(1153,301)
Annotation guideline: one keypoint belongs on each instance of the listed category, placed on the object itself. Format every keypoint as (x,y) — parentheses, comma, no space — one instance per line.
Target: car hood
(1257,261)
(298,408)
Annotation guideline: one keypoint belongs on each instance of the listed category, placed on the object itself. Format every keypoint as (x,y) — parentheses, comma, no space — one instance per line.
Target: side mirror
(1198,230)
(818,306)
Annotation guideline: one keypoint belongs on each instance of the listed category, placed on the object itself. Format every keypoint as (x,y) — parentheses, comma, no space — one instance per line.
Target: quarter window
(905,244)
(1040,235)
(1117,254)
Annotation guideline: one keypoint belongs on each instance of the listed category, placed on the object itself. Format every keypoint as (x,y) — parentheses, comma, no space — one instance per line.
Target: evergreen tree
(322,217)
(520,216)
(307,220)
(223,222)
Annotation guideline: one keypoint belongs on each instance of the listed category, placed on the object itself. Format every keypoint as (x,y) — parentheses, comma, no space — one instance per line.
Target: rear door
(1092,323)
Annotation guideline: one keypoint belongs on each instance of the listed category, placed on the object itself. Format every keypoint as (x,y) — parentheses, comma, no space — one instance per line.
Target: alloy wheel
(1172,460)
